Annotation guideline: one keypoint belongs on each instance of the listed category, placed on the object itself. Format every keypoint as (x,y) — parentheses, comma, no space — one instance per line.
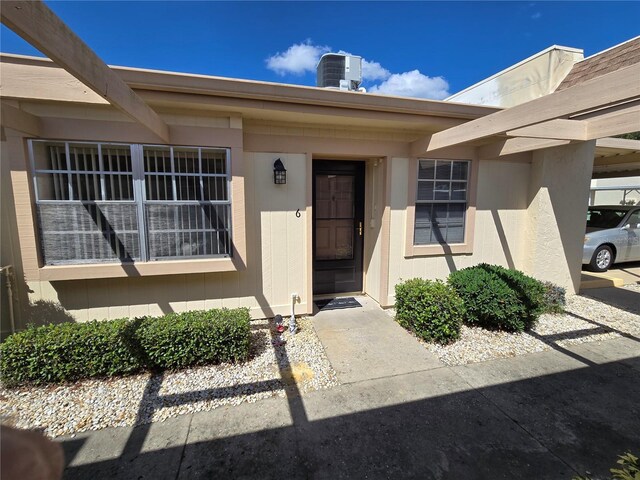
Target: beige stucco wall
(556,213)
(500,220)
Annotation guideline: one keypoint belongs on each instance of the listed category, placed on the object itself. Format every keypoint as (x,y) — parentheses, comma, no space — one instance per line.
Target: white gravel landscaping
(301,364)
(602,321)
(95,404)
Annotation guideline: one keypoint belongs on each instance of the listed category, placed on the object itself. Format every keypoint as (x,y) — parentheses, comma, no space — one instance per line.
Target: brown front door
(338,217)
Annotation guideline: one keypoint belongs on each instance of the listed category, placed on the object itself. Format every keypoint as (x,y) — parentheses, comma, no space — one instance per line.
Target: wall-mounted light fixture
(279,173)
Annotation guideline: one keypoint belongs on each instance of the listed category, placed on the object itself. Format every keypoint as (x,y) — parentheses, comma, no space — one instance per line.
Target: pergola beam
(618,159)
(43,29)
(618,122)
(624,170)
(517,145)
(559,129)
(601,92)
(622,143)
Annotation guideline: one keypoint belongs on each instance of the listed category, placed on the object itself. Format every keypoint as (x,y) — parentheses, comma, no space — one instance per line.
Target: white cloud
(301,58)
(536,16)
(371,70)
(413,84)
(297,59)
(374,71)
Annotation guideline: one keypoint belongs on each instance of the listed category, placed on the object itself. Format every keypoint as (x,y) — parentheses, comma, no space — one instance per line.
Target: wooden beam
(618,159)
(606,90)
(626,120)
(618,143)
(517,145)
(38,25)
(618,171)
(20,120)
(559,129)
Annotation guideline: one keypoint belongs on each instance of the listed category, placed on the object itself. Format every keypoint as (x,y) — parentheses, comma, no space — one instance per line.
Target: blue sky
(422,49)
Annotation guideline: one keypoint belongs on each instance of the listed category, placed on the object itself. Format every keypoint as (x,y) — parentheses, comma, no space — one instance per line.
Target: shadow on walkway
(622,298)
(551,426)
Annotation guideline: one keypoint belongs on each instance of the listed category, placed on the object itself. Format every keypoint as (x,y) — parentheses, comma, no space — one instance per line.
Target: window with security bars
(102,202)
(187,207)
(441,201)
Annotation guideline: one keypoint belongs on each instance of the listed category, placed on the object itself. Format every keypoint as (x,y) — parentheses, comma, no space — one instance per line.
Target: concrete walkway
(364,343)
(399,413)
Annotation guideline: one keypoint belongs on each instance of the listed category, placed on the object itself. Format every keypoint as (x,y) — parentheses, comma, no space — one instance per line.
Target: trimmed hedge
(72,351)
(194,338)
(432,310)
(67,351)
(499,298)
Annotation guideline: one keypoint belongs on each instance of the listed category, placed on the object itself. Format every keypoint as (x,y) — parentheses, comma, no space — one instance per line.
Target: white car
(613,236)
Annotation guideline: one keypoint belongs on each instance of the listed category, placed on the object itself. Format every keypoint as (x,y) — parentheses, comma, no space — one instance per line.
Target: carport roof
(616,157)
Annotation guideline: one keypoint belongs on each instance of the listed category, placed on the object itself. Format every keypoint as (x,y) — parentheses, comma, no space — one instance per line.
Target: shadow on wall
(26,312)
(503,238)
(567,190)
(42,312)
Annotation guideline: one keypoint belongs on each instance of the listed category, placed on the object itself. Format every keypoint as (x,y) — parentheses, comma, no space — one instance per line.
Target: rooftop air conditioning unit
(339,71)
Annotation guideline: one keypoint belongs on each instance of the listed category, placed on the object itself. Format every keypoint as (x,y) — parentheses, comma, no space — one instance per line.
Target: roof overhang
(28,80)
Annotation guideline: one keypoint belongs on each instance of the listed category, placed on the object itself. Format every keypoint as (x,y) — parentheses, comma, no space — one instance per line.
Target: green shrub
(72,351)
(67,351)
(554,298)
(529,290)
(432,310)
(629,469)
(195,338)
(498,298)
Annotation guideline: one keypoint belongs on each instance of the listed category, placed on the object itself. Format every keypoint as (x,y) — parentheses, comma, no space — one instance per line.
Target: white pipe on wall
(292,320)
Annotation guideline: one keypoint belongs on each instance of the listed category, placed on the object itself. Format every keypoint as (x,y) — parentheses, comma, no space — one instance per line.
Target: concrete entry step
(620,274)
(366,343)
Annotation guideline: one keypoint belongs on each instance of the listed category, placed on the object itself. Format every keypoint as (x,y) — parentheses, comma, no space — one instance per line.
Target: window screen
(188,209)
(99,202)
(85,203)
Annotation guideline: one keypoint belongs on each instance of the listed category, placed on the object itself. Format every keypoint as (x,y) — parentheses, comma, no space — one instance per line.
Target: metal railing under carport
(625,192)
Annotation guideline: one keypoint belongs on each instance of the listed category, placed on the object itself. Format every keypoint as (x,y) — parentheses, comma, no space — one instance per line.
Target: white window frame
(139,192)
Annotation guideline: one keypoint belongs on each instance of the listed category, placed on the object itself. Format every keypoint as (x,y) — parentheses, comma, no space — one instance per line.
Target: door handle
(360,228)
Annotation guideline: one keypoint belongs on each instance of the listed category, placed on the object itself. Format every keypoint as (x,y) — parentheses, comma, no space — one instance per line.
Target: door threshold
(325,296)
